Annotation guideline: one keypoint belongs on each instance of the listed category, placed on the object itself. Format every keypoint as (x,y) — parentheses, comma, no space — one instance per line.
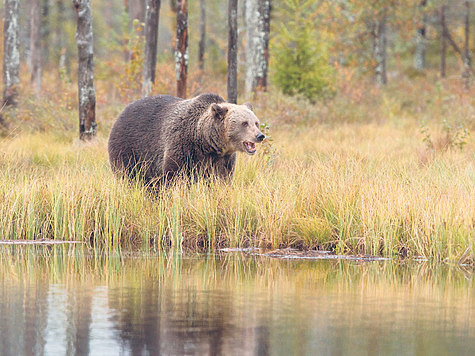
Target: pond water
(63,301)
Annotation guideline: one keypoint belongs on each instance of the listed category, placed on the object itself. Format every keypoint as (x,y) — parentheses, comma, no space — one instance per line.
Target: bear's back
(142,131)
(136,135)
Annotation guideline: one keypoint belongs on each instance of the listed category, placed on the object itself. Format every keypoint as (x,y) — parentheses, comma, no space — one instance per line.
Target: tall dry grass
(354,175)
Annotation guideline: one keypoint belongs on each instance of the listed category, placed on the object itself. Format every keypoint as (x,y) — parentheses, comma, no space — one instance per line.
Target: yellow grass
(353,177)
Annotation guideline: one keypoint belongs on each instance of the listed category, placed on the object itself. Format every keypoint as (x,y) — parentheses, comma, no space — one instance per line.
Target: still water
(64,301)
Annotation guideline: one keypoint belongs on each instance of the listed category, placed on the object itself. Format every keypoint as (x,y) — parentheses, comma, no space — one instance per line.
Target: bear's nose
(260,137)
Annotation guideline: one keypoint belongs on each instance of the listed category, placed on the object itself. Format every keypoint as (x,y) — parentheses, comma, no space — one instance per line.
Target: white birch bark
(262,51)
(379,49)
(251,44)
(420,50)
(181,51)
(420,42)
(11,56)
(86,91)
(257,17)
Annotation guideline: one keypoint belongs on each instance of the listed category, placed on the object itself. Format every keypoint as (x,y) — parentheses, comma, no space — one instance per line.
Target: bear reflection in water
(159,137)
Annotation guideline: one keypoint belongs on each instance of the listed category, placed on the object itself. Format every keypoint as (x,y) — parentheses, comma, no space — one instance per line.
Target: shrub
(301,64)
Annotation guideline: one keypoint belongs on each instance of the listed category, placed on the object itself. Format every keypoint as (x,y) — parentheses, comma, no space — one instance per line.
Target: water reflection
(62,301)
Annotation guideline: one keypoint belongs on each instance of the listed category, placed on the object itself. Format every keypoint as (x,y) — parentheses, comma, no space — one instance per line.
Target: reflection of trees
(229,306)
(188,307)
(10,306)
(158,318)
(78,309)
(262,340)
(36,316)
(139,327)
(23,318)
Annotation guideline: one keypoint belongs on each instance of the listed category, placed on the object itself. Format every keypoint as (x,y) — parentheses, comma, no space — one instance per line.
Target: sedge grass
(355,175)
(355,188)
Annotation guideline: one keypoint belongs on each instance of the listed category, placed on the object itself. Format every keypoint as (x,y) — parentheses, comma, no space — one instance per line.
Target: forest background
(373,100)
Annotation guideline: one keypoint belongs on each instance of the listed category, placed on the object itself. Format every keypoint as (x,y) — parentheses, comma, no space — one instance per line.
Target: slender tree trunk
(45,30)
(251,38)
(201,46)
(35,44)
(443,41)
(173,7)
(262,59)
(86,92)
(151,36)
(181,52)
(257,39)
(379,49)
(11,56)
(232,51)
(420,45)
(466,56)
(63,70)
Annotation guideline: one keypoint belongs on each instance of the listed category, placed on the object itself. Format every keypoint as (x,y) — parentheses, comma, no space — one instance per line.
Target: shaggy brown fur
(160,136)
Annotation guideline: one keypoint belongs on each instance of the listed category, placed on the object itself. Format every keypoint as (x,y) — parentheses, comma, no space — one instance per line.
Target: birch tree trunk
(173,7)
(35,45)
(45,29)
(151,36)
(61,20)
(201,45)
(466,56)
(232,51)
(443,41)
(257,40)
(86,92)
(262,54)
(420,45)
(251,30)
(11,56)
(181,51)
(379,49)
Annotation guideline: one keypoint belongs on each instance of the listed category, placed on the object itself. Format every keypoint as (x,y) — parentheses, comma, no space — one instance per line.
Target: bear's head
(240,127)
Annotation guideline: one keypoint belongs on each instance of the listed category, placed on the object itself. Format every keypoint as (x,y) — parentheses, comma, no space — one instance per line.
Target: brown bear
(158,137)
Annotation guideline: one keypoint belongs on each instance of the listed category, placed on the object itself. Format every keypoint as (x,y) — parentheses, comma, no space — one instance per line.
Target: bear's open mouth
(250,147)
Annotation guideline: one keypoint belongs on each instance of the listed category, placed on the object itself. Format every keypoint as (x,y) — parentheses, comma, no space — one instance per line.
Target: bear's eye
(245,123)
(257,124)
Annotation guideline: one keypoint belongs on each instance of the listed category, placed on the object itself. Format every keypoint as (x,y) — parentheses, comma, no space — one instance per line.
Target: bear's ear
(219,112)
(248,105)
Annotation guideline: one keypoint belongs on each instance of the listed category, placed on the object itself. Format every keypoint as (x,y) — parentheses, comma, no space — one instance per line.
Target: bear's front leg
(225,168)
(170,167)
